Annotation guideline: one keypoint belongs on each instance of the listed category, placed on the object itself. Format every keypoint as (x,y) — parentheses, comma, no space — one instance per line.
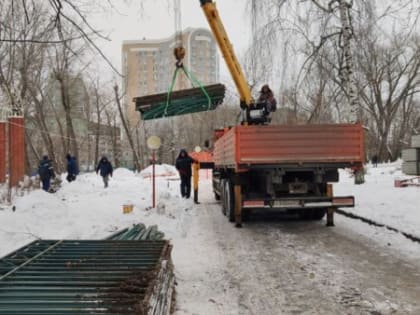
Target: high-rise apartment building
(148,65)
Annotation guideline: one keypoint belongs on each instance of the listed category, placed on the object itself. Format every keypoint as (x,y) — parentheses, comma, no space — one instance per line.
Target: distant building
(148,65)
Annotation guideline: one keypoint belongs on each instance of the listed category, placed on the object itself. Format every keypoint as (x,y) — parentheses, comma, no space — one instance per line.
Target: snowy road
(273,266)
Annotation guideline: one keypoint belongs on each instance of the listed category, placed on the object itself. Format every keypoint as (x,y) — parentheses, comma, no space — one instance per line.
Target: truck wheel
(305,214)
(229,201)
(318,214)
(312,214)
(223,197)
(245,215)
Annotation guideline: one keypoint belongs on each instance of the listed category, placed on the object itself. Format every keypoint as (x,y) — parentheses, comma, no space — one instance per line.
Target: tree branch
(330,8)
(37,41)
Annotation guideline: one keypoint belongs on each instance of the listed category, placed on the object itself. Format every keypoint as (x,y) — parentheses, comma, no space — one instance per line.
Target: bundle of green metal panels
(88,277)
(138,232)
(180,102)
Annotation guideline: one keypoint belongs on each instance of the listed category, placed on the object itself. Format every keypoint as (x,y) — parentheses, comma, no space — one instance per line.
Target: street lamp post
(153,178)
(153,144)
(196,170)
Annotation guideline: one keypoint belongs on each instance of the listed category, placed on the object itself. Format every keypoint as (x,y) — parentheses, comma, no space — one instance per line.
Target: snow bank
(161,170)
(123,172)
(85,209)
(380,201)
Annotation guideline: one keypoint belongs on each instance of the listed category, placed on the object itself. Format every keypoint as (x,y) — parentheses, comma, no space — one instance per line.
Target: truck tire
(312,214)
(222,197)
(230,204)
(305,214)
(318,214)
(245,215)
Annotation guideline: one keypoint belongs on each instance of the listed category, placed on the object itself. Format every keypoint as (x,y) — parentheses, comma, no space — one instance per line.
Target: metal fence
(86,277)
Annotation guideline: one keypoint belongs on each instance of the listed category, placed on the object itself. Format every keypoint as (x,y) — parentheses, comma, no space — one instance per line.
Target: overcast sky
(156,20)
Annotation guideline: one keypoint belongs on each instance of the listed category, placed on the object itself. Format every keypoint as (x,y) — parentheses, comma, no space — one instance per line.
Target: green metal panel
(138,232)
(79,277)
(180,102)
(21,255)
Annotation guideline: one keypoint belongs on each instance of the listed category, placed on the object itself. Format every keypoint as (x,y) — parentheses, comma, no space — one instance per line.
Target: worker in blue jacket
(105,169)
(46,172)
(72,168)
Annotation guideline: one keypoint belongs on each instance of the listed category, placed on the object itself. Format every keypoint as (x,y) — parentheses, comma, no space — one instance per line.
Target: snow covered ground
(223,270)
(84,209)
(380,201)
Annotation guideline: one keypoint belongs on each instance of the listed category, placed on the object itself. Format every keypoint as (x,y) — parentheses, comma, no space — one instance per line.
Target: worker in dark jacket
(46,172)
(72,168)
(183,165)
(105,169)
(375,160)
(267,98)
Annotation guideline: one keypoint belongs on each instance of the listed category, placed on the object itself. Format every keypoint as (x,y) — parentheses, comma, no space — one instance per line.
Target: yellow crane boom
(222,39)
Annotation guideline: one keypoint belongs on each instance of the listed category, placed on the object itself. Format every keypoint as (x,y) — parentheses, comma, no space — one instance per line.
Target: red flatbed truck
(284,168)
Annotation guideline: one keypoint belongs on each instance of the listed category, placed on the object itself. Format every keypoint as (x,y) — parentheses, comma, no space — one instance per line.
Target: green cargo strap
(193,80)
(170,91)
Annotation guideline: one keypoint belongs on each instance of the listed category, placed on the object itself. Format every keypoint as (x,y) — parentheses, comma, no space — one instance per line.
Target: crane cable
(179,50)
(179,53)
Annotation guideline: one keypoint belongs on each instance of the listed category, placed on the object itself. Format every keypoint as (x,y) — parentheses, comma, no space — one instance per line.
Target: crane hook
(179,53)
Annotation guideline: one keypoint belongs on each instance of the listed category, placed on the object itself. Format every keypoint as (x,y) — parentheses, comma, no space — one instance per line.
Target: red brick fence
(12,148)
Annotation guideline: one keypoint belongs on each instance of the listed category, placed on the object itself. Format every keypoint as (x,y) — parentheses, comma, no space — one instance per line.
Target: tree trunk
(126,129)
(65,100)
(347,71)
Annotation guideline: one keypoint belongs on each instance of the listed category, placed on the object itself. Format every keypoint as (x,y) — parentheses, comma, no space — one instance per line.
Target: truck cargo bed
(243,147)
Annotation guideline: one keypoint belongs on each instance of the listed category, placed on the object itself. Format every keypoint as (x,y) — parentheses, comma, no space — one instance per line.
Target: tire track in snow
(374,223)
(293,267)
(303,268)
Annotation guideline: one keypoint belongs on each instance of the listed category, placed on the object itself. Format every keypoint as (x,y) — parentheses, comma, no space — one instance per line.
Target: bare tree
(391,76)
(62,74)
(126,128)
(98,108)
(111,117)
(344,50)
(21,69)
